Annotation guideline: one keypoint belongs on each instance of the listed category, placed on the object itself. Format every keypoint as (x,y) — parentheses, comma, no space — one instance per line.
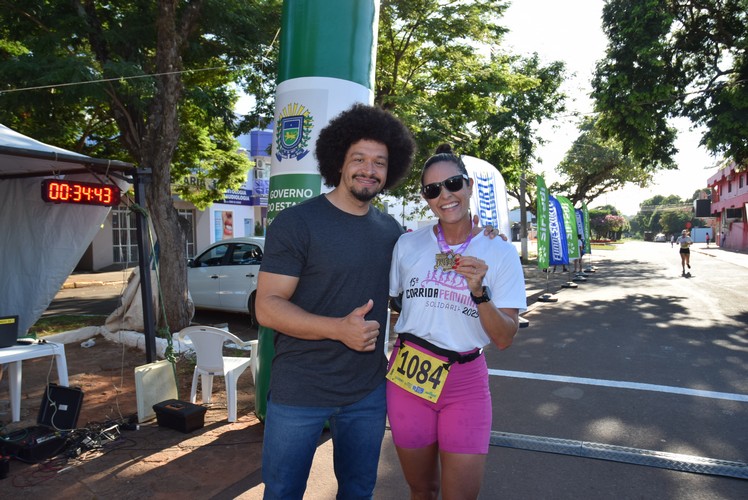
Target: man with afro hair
(323,287)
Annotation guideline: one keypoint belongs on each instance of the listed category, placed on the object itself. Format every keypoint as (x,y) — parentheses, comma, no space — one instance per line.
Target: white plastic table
(13,356)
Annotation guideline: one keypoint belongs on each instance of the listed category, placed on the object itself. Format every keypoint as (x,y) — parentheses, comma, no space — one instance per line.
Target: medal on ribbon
(446,260)
(447,257)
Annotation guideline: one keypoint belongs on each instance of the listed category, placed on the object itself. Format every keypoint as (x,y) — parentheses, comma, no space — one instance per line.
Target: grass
(49,325)
(603,246)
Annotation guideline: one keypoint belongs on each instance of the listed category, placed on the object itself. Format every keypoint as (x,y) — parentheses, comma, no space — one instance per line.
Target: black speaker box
(702,208)
(58,415)
(180,415)
(60,407)
(33,444)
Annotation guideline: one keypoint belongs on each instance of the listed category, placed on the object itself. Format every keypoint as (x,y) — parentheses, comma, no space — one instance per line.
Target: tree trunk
(162,135)
(172,258)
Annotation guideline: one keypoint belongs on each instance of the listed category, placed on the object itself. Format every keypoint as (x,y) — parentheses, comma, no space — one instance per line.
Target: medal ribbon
(443,242)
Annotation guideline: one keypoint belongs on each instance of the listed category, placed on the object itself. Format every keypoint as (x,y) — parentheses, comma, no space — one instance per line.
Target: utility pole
(522,216)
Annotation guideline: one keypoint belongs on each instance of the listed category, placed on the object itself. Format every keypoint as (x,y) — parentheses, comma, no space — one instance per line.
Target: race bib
(418,373)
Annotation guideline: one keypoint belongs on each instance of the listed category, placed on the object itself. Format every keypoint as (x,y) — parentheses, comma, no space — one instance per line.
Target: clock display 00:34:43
(81,193)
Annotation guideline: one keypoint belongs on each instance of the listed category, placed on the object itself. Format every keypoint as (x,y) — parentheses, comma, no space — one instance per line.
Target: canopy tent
(42,242)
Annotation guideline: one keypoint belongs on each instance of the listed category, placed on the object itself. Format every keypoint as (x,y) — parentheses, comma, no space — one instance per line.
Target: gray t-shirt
(342,261)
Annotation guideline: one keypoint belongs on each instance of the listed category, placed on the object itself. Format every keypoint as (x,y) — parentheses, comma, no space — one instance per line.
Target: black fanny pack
(452,356)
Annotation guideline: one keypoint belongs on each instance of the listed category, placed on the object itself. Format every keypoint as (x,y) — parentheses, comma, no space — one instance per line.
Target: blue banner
(570,225)
(559,251)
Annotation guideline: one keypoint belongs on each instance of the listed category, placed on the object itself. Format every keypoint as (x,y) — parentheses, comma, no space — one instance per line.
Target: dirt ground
(153,461)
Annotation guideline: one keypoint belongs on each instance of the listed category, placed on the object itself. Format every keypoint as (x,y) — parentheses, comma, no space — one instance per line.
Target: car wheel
(251,307)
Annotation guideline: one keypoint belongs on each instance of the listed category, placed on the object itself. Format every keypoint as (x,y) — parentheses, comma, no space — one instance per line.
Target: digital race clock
(80,193)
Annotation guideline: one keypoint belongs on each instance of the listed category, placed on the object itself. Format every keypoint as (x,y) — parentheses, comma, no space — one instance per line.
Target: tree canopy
(441,69)
(606,223)
(665,214)
(670,59)
(595,165)
(152,82)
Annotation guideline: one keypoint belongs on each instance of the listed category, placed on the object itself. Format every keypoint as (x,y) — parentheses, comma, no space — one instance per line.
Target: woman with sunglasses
(461,290)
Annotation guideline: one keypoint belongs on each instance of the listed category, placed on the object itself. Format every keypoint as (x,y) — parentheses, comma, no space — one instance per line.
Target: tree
(674,59)
(608,226)
(605,221)
(150,82)
(595,165)
(665,214)
(673,221)
(434,71)
(516,122)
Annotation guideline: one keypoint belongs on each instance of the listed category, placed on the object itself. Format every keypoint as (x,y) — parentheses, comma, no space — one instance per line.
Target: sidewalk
(114,274)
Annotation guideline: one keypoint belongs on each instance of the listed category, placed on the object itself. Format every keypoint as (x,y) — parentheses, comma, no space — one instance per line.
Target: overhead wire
(146,75)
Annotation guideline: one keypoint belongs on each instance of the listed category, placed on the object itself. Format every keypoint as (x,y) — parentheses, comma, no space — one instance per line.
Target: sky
(570,31)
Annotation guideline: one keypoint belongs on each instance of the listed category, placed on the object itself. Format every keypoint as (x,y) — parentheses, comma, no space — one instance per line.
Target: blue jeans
(292,434)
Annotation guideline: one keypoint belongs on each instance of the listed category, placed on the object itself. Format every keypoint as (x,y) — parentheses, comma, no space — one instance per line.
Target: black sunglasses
(453,184)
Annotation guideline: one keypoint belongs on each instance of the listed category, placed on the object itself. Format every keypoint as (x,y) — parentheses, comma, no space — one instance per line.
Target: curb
(84,284)
(129,338)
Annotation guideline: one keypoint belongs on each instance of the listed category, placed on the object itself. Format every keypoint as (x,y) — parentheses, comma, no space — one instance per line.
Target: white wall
(698,234)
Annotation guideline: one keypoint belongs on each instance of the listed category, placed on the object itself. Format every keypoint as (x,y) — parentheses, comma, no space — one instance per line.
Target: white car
(224,275)
(660,237)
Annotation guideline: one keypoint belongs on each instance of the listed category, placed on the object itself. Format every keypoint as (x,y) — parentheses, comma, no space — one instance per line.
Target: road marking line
(621,385)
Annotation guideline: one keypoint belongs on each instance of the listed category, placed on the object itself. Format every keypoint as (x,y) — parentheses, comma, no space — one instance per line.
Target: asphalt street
(637,357)
(634,384)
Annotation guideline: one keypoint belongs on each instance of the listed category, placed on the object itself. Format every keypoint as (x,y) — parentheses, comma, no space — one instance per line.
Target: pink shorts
(460,421)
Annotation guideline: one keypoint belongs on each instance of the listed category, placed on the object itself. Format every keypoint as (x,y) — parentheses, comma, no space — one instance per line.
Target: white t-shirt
(436,304)
(684,241)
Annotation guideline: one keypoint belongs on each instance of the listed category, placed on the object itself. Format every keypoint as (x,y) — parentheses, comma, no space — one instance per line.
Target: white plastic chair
(208,344)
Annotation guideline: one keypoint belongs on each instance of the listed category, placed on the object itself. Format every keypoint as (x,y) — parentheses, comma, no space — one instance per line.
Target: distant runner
(685,242)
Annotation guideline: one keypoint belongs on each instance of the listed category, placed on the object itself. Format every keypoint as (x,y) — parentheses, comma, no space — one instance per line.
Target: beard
(365,194)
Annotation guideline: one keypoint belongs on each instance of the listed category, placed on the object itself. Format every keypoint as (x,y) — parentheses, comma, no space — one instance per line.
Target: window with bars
(124,236)
(125,240)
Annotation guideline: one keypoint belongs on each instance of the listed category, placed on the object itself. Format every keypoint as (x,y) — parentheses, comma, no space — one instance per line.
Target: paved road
(620,361)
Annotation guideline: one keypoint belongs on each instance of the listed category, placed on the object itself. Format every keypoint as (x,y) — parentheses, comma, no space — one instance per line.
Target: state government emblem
(292,132)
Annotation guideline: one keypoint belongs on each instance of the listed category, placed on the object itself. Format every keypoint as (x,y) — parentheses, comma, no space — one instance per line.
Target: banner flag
(587,235)
(542,216)
(570,224)
(579,214)
(559,251)
(489,200)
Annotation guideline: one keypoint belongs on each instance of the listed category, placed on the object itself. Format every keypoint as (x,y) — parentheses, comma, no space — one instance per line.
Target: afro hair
(372,123)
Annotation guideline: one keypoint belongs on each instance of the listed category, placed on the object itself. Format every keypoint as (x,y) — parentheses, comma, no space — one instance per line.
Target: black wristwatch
(483,298)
